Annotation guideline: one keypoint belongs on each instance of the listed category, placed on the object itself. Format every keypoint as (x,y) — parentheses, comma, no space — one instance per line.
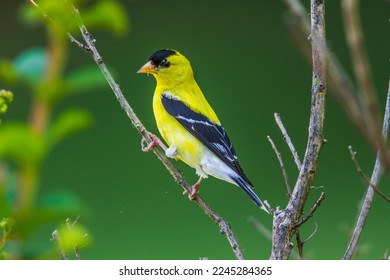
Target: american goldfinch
(189,125)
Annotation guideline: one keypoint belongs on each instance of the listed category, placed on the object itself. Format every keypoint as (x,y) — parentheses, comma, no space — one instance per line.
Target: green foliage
(21,144)
(24,145)
(7,226)
(59,12)
(6,97)
(51,209)
(106,14)
(69,122)
(73,236)
(7,72)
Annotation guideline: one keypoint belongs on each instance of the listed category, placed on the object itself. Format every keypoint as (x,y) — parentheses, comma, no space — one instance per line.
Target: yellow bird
(189,125)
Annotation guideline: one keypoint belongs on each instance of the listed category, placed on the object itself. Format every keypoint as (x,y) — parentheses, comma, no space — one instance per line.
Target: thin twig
(76,220)
(285,219)
(353,31)
(299,245)
(287,138)
(298,163)
(312,234)
(57,239)
(69,224)
(78,43)
(365,178)
(45,16)
(376,174)
(90,48)
(359,58)
(279,156)
(312,210)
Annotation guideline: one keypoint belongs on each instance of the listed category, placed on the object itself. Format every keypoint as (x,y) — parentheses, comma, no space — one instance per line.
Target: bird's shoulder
(192,97)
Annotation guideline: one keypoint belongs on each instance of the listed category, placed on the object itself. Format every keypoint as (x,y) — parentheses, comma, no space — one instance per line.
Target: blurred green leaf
(75,235)
(51,92)
(107,14)
(84,79)
(7,72)
(8,226)
(31,64)
(58,11)
(69,122)
(21,144)
(6,97)
(51,209)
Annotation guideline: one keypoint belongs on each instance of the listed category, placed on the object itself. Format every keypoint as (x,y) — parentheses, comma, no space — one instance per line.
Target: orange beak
(148,68)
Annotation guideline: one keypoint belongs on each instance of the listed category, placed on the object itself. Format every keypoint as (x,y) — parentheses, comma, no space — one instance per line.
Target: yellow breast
(189,149)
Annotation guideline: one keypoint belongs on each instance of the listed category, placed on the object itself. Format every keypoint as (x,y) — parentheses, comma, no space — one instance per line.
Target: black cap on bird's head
(157,60)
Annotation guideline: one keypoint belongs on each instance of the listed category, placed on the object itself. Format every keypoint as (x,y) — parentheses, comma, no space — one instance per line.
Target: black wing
(213,136)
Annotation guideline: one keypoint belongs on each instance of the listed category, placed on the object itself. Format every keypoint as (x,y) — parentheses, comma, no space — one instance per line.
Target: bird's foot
(195,189)
(155,142)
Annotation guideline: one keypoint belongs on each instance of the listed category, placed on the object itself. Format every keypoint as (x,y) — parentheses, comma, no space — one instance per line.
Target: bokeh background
(247,65)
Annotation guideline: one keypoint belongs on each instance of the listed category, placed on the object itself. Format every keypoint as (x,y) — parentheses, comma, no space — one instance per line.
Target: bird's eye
(165,63)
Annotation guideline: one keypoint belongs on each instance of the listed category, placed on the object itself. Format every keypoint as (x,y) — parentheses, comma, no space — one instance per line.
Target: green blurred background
(248,67)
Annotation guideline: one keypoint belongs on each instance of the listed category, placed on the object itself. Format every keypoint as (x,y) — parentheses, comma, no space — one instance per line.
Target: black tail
(248,189)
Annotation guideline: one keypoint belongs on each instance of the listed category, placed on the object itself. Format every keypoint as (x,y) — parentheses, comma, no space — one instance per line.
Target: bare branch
(69,224)
(312,210)
(278,155)
(284,220)
(360,61)
(57,239)
(341,85)
(299,245)
(312,234)
(287,138)
(76,220)
(338,80)
(90,48)
(365,178)
(78,43)
(376,174)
